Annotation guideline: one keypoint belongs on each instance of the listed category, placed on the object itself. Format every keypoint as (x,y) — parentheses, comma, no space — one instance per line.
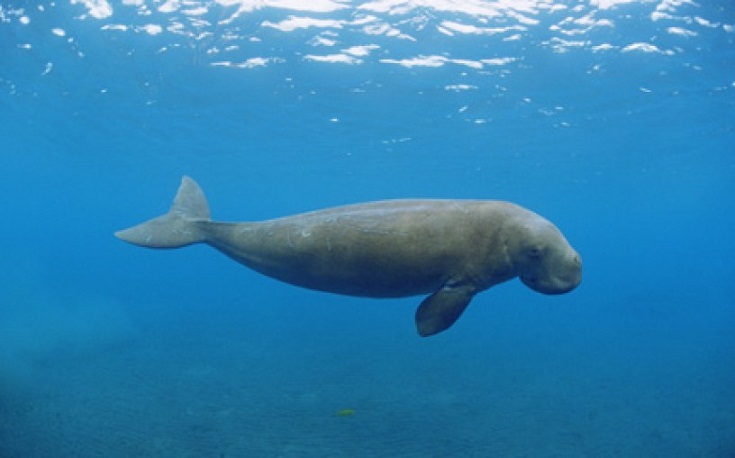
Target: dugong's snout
(558,278)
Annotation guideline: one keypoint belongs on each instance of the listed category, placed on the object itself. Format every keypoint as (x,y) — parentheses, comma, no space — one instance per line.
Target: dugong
(449,249)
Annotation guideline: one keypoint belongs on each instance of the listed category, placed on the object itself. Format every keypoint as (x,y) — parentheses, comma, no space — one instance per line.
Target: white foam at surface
(346,24)
(361,51)
(152,29)
(98,9)
(642,47)
(681,32)
(334,59)
(294,22)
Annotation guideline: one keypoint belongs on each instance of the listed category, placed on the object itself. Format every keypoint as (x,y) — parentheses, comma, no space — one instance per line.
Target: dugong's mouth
(550,286)
(556,282)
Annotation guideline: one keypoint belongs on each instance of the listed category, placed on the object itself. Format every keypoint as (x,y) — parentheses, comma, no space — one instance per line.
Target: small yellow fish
(345,412)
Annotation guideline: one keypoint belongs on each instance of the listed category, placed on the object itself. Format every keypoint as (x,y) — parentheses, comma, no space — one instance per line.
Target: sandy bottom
(365,385)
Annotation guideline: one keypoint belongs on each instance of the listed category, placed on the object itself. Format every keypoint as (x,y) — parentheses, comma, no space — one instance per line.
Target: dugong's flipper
(179,227)
(440,310)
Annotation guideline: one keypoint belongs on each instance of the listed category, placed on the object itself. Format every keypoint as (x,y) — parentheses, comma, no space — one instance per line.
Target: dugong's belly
(393,249)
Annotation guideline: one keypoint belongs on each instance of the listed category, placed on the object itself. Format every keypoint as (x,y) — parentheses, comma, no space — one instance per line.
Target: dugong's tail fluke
(181,226)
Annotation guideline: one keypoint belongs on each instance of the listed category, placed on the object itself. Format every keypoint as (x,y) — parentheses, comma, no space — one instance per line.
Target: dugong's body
(450,249)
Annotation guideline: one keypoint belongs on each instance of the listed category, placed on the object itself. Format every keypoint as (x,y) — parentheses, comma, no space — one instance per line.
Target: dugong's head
(541,256)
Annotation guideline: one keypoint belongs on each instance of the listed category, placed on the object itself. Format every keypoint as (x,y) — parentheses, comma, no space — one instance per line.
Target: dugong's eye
(534,252)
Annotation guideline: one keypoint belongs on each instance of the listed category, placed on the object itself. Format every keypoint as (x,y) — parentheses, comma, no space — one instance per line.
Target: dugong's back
(379,249)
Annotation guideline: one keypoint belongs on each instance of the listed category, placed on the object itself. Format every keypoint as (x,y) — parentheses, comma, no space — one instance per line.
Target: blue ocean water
(613,119)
